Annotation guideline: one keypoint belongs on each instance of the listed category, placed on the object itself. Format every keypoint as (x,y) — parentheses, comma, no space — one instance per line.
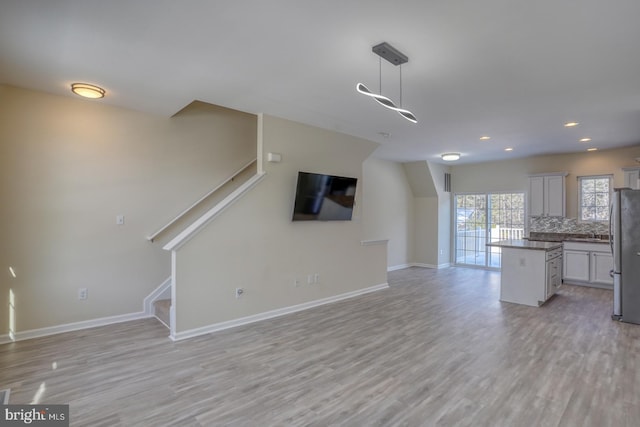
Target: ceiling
(509,69)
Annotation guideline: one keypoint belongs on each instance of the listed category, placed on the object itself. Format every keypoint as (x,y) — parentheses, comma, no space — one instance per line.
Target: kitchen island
(531,271)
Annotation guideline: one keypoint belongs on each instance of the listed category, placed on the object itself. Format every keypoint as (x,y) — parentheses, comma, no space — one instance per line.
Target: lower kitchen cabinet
(576,265)
(587,264)
(530,276)
(601,265)
(553,267)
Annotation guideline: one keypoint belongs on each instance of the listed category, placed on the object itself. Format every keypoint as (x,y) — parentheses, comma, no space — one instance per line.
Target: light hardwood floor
(437,348)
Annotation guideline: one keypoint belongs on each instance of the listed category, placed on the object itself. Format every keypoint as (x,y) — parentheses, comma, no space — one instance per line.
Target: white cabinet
(576,265)
(601,265)
(554,272)
(587,264)
(632,177)
(530,276)
(547,194)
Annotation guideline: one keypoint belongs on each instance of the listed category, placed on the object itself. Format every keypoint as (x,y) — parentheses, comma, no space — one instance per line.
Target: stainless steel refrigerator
(625,247)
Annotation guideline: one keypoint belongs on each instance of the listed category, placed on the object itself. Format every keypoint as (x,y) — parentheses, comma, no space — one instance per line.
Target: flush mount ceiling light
(485,138)
(391,54)
(87,91)
(585,140)
(571,124)
(450,157)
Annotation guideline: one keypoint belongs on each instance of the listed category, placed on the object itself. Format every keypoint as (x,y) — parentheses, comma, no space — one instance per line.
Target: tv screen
(324,197)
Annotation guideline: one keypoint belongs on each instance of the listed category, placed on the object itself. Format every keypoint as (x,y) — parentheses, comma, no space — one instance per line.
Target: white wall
(443,255)
(67,167)
(388,209)
(432,207)
(255,245)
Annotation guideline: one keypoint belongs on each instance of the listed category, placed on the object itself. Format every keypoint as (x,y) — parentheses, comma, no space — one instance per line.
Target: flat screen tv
(322,197)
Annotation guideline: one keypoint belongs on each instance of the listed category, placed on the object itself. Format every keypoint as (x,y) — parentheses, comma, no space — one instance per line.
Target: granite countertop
(526,244)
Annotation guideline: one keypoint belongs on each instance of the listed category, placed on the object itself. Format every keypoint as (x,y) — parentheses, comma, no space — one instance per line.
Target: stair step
(162,309)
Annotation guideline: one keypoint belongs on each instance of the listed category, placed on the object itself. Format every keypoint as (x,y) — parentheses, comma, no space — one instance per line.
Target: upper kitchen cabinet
(547,195)
(632,177)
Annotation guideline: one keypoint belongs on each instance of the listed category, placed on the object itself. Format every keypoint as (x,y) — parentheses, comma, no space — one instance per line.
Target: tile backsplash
(556,224)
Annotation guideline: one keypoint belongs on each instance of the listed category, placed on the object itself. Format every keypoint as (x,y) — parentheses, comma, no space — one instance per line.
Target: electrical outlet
(119,219)
(239,292)
(310,279)
(83,294)
(441,251)
(316,278)
(296,282)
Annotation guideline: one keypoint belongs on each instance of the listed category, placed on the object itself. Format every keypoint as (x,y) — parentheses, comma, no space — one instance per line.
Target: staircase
(191,220)
(162,308)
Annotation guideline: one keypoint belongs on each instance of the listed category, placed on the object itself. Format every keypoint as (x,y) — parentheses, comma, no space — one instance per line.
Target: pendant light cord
(400,85)
(380,74)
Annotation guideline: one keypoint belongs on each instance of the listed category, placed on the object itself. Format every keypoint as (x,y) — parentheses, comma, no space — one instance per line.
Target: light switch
(119,219)
(274,157)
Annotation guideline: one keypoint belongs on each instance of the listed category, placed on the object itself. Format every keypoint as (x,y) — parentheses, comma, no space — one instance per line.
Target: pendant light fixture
(391,54)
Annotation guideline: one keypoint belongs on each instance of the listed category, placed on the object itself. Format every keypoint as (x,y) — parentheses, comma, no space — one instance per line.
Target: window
(594,194)
(483,218)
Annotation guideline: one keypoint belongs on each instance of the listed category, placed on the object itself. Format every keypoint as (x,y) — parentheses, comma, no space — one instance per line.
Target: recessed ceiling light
(592,149)
(585,140)
(484,138)
(571,124)
(508,149)
(450,157)
(87,91)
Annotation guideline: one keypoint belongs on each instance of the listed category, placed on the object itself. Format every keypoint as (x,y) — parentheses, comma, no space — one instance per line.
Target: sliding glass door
(483,218)
(471,229)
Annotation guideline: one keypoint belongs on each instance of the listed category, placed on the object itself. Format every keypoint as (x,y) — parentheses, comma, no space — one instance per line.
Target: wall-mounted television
(322,197)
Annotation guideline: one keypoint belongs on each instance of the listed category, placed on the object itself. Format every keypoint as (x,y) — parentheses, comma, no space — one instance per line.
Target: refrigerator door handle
(611,227)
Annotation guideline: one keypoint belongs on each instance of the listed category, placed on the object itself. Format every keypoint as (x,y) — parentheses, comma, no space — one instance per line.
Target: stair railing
(153,236)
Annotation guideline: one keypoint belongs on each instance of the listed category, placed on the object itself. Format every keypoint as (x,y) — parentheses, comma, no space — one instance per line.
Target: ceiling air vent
(447,182)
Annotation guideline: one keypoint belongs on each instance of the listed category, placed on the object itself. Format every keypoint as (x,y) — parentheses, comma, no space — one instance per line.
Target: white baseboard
(417,264)
(76,326)
(271,314)
(398,267)
(423,265)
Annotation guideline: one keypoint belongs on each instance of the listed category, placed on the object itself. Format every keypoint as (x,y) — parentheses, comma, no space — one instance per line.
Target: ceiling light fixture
(87,91)
(394,56)
(485,138)
(450,157)
(571,124)
(508,149)
(585,140)
(592,149)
